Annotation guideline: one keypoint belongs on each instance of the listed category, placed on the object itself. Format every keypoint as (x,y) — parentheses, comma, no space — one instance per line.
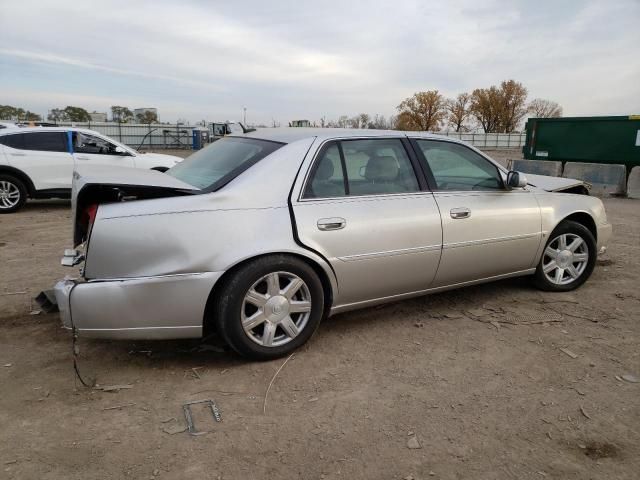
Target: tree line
(118,114)
(496,109)
(74,114)
(7,112)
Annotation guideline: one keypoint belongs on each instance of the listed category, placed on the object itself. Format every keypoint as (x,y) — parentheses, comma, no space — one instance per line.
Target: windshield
(222,161)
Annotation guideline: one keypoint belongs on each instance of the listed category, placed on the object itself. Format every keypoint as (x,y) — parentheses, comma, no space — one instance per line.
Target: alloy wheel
(9,194)
(276,309)
(565,259)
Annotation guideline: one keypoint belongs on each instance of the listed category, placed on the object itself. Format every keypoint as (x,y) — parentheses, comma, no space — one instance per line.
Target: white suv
(39,162)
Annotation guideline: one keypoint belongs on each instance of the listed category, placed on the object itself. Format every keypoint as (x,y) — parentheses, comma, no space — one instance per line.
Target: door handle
(18,154)
(460,213)
(336,223)
(81,158)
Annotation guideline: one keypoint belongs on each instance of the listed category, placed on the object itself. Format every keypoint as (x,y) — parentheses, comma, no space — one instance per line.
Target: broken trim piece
(189,416)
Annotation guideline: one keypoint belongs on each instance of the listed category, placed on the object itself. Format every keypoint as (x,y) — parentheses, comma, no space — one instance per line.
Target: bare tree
(541,108)
(354,122)
(485,108)
(422,111)
(500,109)
(513,105)
(343,121)
(458,109)
(365,119)
(379,122)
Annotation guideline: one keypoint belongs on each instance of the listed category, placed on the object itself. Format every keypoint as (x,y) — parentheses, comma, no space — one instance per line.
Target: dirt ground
(498,381)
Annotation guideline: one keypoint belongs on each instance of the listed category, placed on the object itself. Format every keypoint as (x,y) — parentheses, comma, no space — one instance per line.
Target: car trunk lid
(96,185)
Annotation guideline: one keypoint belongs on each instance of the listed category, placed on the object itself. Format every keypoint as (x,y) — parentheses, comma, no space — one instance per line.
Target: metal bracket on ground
(189,416)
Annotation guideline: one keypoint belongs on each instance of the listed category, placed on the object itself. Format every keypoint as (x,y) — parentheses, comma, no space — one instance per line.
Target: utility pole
(244,117)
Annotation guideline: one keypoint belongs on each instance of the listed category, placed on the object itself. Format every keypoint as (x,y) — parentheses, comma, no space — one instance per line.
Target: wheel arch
(20,175)
(323,275)
(583,218)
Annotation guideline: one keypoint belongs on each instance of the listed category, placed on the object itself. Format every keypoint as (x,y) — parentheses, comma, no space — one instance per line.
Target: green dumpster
(613,140)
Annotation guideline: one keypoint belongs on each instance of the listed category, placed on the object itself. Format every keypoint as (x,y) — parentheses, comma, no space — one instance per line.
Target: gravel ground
(493,381)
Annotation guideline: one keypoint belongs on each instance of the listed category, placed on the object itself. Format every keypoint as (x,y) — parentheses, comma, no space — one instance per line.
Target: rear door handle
(81,158)
(18,154)
(335,223)
(460,213)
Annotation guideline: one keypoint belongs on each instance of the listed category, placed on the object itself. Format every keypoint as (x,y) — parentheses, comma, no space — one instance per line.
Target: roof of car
(292,134)
(18,129)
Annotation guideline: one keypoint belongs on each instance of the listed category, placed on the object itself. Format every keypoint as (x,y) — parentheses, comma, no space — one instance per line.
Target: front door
(487,230)
(94,150)
(363,209)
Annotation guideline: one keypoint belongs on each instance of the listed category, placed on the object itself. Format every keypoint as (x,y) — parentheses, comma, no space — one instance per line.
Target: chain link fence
(167,136)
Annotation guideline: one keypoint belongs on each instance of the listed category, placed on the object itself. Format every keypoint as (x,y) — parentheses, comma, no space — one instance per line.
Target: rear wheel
(269,307)
(568,258)
(13,194)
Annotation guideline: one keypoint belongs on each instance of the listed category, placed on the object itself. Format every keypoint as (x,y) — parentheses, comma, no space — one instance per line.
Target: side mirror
(121,151)
(516,180)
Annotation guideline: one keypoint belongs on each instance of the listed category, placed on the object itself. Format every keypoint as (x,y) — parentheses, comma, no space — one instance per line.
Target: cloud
(288,60)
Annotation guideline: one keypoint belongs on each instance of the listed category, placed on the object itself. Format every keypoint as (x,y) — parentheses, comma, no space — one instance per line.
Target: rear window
(46,141)
(13,141)
(219,163)
(39,141)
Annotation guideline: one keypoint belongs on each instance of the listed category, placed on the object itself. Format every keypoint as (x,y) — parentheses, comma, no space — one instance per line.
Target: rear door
(364,208)
(43,155)
(487,230)
(94,150)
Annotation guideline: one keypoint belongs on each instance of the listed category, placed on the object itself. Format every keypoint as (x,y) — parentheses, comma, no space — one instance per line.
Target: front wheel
(269,307)
(568,259)
(13,194)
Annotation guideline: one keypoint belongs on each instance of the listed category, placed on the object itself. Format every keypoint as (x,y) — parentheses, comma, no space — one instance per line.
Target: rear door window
(378,166)
(13,141)
(46,141)
(327,179)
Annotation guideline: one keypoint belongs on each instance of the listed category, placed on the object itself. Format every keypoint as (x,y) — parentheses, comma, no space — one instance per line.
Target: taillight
(89,216)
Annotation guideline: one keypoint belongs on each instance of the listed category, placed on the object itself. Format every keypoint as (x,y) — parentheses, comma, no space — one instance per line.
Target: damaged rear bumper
(144,308)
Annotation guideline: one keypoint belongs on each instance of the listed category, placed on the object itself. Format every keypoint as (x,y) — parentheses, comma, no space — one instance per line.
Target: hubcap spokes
(9,194)
(276,309)
(565,258)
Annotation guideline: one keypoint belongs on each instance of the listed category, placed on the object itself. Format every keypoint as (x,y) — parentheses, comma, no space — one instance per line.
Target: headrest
(325,169)
(381,169)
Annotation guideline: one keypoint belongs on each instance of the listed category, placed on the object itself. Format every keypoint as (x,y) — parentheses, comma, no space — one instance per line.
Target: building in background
(98,117)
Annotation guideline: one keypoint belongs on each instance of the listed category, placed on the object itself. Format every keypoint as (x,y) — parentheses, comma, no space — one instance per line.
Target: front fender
(556,207)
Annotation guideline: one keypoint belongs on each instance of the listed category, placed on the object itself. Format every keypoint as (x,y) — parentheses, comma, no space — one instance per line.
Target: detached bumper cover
(605,231)
(146,308)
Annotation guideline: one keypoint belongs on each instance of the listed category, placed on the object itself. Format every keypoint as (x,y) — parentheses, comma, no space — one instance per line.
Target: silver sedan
(260,236)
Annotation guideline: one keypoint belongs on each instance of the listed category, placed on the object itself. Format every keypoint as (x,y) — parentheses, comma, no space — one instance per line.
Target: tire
(13,194)
(569,262)
(252,311)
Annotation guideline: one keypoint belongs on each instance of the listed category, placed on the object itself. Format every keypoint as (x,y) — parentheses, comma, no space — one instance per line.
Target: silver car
(260,236)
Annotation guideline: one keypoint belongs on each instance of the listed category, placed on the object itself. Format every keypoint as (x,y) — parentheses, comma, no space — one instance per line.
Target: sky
(286,60)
